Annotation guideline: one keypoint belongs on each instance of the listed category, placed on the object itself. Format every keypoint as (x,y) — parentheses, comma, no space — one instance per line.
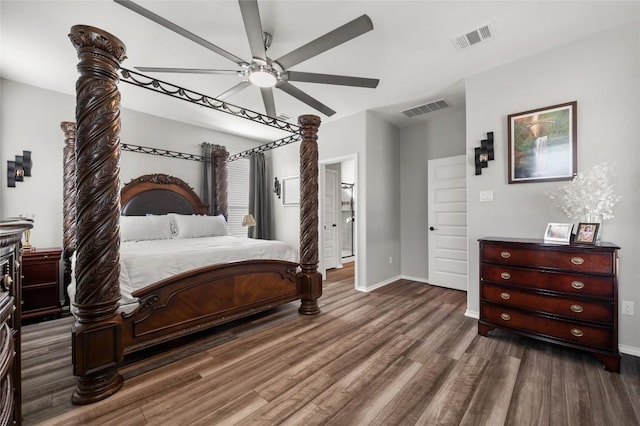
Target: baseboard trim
(379,284)
(629,350)
(417,279)
(472,314)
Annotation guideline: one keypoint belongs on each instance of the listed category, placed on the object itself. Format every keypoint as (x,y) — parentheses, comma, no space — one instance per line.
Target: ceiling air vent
(428,107)
(284,117)
(475,37)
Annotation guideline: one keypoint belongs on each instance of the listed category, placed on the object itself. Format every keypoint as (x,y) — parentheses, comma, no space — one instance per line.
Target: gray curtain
(209,177)
(259,198)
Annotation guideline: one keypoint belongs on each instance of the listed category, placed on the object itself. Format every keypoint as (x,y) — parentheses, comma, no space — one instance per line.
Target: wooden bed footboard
(206,297)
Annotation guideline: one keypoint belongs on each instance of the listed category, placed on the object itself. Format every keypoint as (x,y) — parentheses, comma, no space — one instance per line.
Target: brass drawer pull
(505,296)
(578,285)
(576,308)
(577,332)
(505,317)
(577,260)
(505,275)
(505,254)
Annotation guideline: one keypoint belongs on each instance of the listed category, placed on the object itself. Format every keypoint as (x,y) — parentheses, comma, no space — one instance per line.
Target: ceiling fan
(263,71)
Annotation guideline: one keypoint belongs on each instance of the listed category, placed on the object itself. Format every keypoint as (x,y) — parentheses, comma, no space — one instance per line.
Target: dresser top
(8,227)
(543,243)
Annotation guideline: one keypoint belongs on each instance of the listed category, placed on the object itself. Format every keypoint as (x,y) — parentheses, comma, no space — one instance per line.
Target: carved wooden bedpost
(309,278)
(69,201)
(220,156)
(97,214)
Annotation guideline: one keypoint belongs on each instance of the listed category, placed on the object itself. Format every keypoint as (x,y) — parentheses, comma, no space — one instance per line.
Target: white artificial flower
(588,195)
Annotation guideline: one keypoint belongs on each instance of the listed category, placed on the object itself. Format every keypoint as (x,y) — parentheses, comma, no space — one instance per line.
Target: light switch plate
(486,196)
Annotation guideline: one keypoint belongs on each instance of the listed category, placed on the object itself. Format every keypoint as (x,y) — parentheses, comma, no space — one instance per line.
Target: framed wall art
(291,191)
(543,144)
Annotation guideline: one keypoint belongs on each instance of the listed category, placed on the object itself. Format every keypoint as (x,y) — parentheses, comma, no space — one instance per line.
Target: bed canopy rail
(169,89)
(91,223)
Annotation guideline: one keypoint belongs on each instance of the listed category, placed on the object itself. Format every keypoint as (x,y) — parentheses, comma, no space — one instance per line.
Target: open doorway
(338,212)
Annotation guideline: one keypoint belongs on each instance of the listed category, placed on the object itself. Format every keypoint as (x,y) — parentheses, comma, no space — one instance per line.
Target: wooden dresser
(563,294)
(41,282)
(10,295)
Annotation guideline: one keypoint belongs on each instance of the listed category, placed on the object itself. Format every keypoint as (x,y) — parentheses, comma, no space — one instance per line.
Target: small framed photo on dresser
(558,233)
(587,233)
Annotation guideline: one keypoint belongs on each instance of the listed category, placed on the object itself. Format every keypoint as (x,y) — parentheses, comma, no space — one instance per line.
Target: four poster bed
(172,307)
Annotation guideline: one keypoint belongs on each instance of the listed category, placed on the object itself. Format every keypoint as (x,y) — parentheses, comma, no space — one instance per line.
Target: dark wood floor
(401,355)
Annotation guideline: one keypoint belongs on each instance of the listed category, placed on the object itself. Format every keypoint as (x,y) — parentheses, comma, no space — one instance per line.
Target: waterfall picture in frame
(542,144)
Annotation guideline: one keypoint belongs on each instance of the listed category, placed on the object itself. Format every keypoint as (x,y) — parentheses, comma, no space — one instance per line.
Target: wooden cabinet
(41,282)
(563,294)
(10,294)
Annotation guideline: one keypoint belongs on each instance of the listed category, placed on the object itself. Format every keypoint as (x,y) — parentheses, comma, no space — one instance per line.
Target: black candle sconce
(18,169)
(484,154)
(277,189)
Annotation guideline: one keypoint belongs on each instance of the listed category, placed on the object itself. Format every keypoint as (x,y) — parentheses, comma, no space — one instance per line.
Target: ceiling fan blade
(178,29)
(253,27)
(188,70)
(235,89)
(303,97)
(269,103)
(323,43)
(341,80)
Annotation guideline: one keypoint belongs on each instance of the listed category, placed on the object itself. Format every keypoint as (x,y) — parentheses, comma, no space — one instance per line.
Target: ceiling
(410,49)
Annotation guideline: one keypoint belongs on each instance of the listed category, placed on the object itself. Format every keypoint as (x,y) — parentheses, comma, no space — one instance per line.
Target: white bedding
(145,262)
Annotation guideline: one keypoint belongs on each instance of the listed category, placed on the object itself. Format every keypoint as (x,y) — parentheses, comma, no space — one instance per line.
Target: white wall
(438,138)
(602,74)
(382,201)
(31,121)
(375,144)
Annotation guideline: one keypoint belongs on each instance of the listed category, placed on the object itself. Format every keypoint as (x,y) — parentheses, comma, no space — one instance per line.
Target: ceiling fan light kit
(264,72)
(263,76)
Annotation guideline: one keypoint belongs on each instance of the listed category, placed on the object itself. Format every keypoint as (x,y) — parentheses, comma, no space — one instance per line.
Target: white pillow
(140,228)
(194,226)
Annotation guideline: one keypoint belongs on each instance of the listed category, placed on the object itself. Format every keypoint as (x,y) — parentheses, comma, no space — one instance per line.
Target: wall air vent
(475,37)
(428,107)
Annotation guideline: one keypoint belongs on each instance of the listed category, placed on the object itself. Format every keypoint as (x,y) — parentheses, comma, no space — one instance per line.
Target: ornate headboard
(159,194)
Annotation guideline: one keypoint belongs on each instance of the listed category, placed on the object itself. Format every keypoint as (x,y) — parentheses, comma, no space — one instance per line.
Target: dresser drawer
(39,273)
(7,351)
(580,285)
(572,308)
(569,331)
(590,261)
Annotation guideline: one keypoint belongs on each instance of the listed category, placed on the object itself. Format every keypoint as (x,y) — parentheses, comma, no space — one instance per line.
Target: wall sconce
(484,154)
(277,189)
(18,169)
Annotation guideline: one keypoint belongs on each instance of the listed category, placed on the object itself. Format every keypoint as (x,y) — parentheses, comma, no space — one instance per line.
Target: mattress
(145,262)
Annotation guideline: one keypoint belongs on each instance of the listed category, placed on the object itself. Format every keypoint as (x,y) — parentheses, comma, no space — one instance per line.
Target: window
(238,195)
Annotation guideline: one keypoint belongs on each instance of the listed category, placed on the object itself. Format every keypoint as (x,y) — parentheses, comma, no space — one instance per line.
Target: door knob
(431,228)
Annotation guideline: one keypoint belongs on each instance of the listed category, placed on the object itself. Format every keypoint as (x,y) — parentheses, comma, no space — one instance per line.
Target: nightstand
(41,282)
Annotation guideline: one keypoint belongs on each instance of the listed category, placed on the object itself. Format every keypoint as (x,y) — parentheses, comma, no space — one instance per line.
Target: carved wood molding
(310,280)
(97,211)
(220,156)
(69,188)
(309,192)
(162,181)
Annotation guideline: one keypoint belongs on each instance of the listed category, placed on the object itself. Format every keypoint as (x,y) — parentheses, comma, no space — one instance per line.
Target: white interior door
(447,196)
(330,220)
